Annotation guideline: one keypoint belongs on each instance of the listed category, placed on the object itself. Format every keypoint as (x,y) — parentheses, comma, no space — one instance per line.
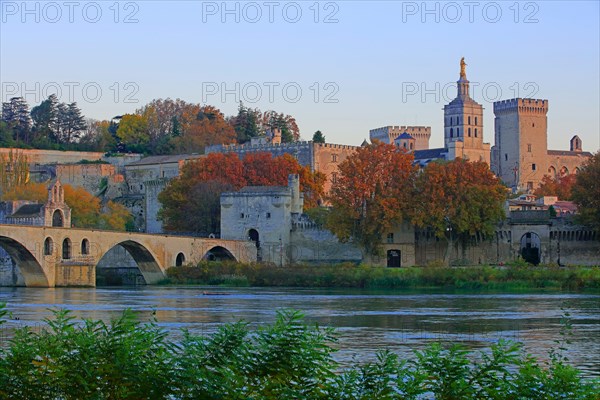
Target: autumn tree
(87,210)
(205,179)
(559,186)
(586,192)
(371,195)
(37,192)
(457,200)
(14,170)
(202,126)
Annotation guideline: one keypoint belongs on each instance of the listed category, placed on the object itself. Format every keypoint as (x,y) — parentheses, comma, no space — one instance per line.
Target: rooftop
(28,210)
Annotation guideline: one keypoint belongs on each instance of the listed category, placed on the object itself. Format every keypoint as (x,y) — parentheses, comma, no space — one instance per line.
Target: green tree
(458,200)
(133,132)
(318,137)
(586,192)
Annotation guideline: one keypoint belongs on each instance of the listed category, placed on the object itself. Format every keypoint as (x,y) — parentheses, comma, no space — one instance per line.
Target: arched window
(48,246)
(457,132)
(57,219)
(451,132)
(469,120)
(66,249)
(85,247)
(475,123)
(475,132)
(180,260)
(469,132)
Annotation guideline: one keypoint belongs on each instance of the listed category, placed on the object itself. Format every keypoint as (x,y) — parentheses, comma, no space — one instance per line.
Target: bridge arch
(145,260)
(219,253)
(32,271)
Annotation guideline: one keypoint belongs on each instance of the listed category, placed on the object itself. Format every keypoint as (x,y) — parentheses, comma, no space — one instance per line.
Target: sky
(342,67)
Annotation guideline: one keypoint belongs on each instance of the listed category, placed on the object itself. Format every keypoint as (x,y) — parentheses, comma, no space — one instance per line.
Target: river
(365,320)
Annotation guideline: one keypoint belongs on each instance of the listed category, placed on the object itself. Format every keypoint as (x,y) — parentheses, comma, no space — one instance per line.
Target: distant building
(520,156)
(463,131)
(55,212)
(389,134)
(321,157)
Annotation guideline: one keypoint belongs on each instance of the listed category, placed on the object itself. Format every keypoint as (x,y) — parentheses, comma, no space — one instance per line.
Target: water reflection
(366,321)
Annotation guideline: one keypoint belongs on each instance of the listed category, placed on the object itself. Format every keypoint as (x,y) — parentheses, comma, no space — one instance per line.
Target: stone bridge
(50,256)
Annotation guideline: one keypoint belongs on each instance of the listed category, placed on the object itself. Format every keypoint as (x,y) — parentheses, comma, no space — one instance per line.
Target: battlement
(337,146)
(222,148)
(403,128)
(532,106)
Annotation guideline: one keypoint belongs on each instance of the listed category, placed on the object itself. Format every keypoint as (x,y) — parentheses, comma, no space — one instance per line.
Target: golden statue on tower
(463,65)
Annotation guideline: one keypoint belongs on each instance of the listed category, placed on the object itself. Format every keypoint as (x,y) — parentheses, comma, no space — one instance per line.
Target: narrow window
(533,167)
(390,237)
(505,157)
(469,132)
(242,215)
(529,148)
(268,215)
(469,120)
(475,121)
(475,132)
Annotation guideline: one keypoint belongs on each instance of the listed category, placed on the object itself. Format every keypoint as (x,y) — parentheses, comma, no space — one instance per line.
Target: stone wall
(91,177)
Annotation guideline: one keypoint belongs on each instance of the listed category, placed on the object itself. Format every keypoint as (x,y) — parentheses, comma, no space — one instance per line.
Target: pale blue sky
(376,59)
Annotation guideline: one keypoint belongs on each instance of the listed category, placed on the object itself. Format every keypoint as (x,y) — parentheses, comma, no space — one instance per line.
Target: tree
(115,217)
(16,115)
(457,200)
(133,132)
(318,137)
(201,127)
(71,122)
(559,186)
(198,212)
(85,208)
(37,192)
(14,171)
(371,195)
(285,123)
(586,192)
(45,120)
(204,180)
(245,123)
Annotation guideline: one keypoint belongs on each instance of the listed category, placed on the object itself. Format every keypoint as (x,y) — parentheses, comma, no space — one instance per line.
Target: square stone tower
(521,133)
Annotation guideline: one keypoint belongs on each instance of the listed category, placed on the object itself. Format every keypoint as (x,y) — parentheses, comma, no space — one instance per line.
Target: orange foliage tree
(586,192)
(371,195)
(86,209)
(559,186)
(457,200)
(256,169)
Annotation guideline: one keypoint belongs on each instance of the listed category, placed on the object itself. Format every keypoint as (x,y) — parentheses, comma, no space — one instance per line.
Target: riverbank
(362,276)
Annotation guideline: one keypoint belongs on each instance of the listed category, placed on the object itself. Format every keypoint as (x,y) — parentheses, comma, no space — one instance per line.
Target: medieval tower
(463,124)
(521,142)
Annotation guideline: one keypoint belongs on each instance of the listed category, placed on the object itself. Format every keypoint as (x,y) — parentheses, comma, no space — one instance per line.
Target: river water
(401,321)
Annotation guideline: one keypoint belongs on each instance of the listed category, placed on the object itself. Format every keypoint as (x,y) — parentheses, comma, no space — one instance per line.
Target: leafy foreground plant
(285,360)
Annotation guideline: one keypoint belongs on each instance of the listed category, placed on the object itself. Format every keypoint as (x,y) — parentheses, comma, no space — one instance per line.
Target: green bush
(363,276)
(285,360)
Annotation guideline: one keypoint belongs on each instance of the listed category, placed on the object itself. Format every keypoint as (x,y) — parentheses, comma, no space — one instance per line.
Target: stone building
(55,212)
(271,216)
(321,157)
(389,134)
(144,180)
(463,131)
(520,155)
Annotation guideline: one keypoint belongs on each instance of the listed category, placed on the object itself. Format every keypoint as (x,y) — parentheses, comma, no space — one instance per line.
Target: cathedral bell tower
(463,123)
